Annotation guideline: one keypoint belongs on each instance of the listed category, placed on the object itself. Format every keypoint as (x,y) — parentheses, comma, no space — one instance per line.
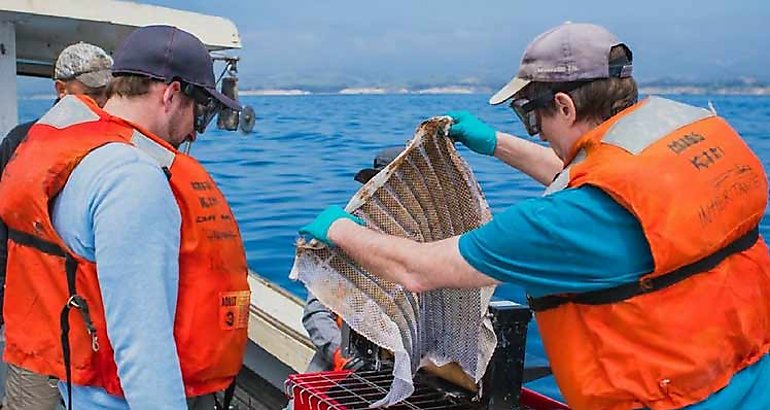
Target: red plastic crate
(345,390)
(354,391)
(308,391)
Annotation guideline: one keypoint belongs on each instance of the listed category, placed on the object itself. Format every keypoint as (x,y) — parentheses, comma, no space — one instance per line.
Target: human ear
(171,94)
(565,107)
(61,88)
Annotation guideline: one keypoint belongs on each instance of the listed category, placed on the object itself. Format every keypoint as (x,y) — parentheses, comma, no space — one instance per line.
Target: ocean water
(304,152)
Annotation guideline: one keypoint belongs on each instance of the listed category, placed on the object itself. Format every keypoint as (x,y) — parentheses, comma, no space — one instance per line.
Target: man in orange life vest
(643,261)
(126,270)
(80,68)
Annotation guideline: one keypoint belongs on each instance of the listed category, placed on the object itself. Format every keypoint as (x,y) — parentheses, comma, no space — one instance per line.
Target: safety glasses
(525,108)
(206,107)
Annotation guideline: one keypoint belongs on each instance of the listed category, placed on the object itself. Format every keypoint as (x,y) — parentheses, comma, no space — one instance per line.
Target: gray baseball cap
(86,63)
(569,52)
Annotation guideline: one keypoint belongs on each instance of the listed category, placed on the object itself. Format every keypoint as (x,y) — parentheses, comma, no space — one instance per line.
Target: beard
(180,126)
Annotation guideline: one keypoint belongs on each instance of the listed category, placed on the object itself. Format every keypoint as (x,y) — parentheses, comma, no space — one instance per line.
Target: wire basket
(345,390)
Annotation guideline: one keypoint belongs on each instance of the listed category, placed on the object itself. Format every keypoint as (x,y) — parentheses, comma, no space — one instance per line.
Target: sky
(413,42)
(317,44)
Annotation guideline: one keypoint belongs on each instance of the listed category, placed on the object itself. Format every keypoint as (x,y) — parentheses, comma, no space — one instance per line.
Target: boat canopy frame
(33,33)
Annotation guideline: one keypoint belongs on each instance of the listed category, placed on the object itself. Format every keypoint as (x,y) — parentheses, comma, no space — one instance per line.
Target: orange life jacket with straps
(681,332)
(46,279)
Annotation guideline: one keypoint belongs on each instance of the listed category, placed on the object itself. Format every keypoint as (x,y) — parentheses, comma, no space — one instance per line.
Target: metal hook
(94,342)
(73,302)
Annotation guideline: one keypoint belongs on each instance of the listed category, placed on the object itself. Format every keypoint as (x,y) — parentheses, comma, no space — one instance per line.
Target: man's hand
(353,363)
(319,228)
(472,132)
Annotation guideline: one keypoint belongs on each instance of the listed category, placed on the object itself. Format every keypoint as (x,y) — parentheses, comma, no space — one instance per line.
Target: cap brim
(95,79)
(509,90)
(227,101)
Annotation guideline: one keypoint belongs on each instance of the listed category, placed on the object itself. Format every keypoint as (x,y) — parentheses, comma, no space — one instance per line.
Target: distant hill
(649,88)
(43,88)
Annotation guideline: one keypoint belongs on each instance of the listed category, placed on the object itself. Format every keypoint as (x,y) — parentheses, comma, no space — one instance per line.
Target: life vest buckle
(646,285)
(79,303)
(75,301)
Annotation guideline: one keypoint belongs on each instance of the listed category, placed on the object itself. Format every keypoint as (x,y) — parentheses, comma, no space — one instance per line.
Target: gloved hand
(340,362)
(472,132)
(319,228)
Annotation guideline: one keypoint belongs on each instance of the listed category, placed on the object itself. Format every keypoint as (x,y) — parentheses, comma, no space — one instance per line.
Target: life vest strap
(74,300)
(227,398)
(78,303)
(25,239)
(629,290)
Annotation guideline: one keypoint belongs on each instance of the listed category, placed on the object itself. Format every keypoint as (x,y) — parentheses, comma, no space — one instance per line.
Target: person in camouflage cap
(81,69)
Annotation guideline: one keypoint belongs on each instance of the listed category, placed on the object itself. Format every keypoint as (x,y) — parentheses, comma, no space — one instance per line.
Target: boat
(31,35)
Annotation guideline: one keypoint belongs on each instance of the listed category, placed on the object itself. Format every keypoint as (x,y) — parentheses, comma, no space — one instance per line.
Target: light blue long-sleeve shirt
(117,209)
(579,240)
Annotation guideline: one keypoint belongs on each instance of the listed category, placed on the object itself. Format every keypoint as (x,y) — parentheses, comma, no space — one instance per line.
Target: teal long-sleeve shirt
(579,240)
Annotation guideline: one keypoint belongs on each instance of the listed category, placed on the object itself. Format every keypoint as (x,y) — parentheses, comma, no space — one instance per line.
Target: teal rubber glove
(472,132)
(319,228)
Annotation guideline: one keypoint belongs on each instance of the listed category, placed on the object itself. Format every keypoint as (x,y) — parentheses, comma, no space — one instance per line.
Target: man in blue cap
(137,239)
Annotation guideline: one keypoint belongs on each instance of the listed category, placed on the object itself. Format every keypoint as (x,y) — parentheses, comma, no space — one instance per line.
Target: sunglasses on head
(206,106)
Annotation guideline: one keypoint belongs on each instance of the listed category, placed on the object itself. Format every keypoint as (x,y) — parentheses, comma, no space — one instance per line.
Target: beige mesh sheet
(427,193)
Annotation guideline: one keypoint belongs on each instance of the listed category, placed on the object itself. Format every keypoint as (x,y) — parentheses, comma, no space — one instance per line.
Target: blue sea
(304,152)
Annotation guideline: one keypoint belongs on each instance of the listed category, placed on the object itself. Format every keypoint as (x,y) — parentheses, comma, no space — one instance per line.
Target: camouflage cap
(86,63)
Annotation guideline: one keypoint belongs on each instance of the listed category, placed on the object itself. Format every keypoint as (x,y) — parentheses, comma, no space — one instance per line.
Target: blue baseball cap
(167,53)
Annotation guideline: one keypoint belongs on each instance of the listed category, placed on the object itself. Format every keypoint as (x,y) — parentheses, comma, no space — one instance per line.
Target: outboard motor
(248,118)
(228,119)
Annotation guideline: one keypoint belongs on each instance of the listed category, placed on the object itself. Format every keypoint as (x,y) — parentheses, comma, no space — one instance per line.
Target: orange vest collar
(125,123)
(597,133)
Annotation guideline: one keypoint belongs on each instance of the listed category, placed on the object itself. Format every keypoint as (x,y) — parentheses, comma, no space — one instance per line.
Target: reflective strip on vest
(652,121)
(67,112)
(562,180)
(159,153)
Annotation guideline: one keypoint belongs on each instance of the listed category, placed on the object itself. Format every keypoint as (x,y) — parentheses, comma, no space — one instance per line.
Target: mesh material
(427,193)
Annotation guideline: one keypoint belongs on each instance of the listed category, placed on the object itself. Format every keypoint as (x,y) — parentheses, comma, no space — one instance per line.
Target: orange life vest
(213,298)
(682,331)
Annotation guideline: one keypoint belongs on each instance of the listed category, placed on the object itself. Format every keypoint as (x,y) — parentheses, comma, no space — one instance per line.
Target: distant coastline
(748,90)
(707,90)
(454,89)
(462,89)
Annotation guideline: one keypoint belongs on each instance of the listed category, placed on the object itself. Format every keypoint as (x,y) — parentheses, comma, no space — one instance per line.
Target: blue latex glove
(319,228)
(472,132)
